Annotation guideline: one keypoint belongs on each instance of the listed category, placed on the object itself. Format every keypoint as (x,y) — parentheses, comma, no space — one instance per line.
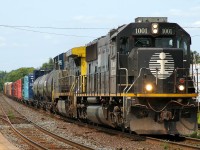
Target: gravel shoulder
(91,137)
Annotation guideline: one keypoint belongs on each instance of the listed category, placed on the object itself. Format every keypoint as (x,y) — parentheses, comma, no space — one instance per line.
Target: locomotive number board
(148,31)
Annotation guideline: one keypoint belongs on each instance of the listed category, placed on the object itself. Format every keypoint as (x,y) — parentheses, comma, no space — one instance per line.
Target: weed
(11,115)
(166,146)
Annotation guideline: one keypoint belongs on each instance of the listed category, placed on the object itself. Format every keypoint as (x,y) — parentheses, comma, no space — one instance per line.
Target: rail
(36,145)
(26,139)
(176,145)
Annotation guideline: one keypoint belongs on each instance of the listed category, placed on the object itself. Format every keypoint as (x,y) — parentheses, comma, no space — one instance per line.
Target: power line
(192,27)
(69,28)
(60,28)
(52,33)
(194,35)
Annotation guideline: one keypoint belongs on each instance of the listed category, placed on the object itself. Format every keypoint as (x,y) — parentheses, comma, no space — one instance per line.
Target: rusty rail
(26,139)
(173,145)
(59,138)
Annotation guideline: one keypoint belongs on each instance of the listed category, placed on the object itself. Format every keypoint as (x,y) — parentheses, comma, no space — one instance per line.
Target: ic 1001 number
(140,30)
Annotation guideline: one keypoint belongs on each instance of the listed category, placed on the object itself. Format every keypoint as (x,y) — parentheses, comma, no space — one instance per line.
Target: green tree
(13,75)
(48,65)
(17,74)
(196,57)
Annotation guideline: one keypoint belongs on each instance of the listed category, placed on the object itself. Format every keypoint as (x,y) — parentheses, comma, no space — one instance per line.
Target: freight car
(21,89)
(136,78)
(27,87)
(8,88)
(29,95)
(17,89)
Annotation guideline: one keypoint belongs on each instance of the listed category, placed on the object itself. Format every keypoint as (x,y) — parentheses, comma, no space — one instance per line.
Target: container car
(27,87)
(17,89)
(8,88)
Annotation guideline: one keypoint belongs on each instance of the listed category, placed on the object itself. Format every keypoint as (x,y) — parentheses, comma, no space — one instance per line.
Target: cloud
(196,23)
(2,41)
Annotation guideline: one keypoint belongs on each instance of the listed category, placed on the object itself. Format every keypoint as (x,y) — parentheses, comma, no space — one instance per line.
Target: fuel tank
(96,115)
(61,107)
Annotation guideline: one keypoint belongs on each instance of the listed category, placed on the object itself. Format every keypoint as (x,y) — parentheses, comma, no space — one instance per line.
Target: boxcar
(18,89)
(8,88)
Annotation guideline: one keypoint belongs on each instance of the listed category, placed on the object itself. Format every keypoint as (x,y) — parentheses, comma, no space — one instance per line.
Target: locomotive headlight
(181,87)
(154,28)
(155,31)
(149,87)
(155,25)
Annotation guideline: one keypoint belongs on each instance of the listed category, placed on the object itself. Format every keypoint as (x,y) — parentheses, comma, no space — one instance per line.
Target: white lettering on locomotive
(141,30)
(167,31)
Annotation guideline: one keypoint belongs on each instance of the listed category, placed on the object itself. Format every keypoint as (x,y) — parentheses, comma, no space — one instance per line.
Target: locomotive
(137,77)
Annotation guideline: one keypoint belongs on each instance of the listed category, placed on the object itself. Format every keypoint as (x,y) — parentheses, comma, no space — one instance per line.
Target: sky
(26,42)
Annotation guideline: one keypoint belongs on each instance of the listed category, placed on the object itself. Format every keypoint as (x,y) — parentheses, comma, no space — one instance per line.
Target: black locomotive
(137,77)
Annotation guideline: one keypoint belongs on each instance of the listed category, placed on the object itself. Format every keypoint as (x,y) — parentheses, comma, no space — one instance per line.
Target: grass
(166,146)
(198,118)
(196,134)
(11,115)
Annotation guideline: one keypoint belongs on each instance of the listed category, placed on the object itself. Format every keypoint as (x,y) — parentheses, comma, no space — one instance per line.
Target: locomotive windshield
(154,42)
(164,42)
(143,42)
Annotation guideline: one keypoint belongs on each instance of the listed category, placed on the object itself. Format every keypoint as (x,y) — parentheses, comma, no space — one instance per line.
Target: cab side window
(181,43)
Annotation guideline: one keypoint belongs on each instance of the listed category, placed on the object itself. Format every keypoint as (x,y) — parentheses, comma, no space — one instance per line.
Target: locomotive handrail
(68,78)
(83,83)
(80,84)
(73,84)
(125,92)
(197,80)
(126,70)
(135,80)
(124,103)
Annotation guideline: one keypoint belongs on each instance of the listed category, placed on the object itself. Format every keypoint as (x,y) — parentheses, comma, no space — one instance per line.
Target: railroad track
(192,141)
(38,137)
(183,145)
(100,128)
(187,143)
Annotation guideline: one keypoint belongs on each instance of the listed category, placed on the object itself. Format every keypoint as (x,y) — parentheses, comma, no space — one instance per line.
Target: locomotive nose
(158,66)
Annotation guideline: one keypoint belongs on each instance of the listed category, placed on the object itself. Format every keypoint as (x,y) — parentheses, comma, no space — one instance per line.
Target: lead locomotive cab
(161,52)
(158,55)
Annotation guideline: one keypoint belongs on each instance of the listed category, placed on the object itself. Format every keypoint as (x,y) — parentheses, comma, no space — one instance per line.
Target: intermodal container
(28,87)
